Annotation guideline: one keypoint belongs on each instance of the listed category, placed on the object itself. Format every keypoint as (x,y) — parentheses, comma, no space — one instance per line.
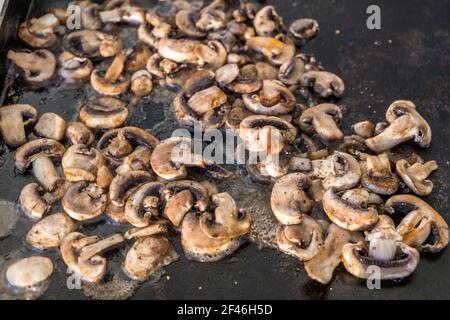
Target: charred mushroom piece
(49,232)
(13,120)
(208,99)
(304,29)
(415,175)
(113,82)
(405,123)
(348,211)
(289,200)
(274,50)
(51,126)
(143,204)
(273,99)
(73,68)
(303,240)
(324,83)
(79,133)
(322,119)
(84,201)
(94,44)
(323,264)
(378,176)
(412,227)
(267,22)
(364,129)
(104,113)
(384,243)
(29,272)
(39,32)
(122,186)
(32,201)
(37,66)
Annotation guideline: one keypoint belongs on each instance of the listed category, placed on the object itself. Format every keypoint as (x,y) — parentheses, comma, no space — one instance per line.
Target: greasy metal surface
(408,59)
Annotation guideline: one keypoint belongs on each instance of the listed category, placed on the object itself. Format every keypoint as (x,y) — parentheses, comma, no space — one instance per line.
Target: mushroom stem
(101,246)
(116,67)
(155,228)
(45,172)
(383,249)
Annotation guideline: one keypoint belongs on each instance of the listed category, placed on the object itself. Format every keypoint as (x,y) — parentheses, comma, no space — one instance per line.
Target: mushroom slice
(302,240)
(418,211)
(291,71)
(141,83)
(104,113)
(212,54)
(405,123)
(185,21)
(90,16)
(275,51)
(197,82)
(180,51)
(356,146)
(51,126)
(122,186)
(322,119)
(323,264)
(49,232)
(206,100)
(304,29)
(32,201)
(143,204)
(13,120)
(125,14)
(84,201)
(199,192)
(148,255)
(364,129)
(73,68)
(171,157)
(324,83)
(227,74)
(81,163)
(266,133)
(415,175)
(267,22)
(137,58)
(198,246)
(113,82)
(273,99)
(94,44)
(348,212)
(29,272)
(289,200)
(156,227)
(178,205)
(38,32)
(339,171)
(246,81)
(226,222)
(79,133)
(139,159)
(38,66)
(378,176)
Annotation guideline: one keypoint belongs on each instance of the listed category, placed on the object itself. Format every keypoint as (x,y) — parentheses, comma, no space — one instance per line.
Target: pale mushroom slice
(211,55)
(324,83)
(274,50)
(322,119)
(73,68)
(405,123)
(302,240)
(29,272)
(394,259)
(415,175)
(351,211)
(37,66)
(50,126)
(84,201)
(90,15)
(321,267)
(79,133)
(144,204)
(420,222)
(104,113)
(378,176)
(13,121)
(49,232)
(289,201)
(32,201)
(147,256)
(39,32)
(122,186)
(227,221)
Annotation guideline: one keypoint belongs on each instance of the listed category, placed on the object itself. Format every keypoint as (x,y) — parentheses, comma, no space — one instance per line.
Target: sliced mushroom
(185,21)
(289,201)
(179,50)
(90,15)
(415,175)
(49,232)
(302,240)
(356,146)
(413,225)
(405,123)
(29,272)
(267,22)
(304,29)
(246,80)
(137,58)
(364,129)
(13,120)
(273,99)
(51,126)
(323,264)
(32,201)
(266,71)
(339,171)
(38,66)
(139,159)
(124,14)
(275,51)
(211,55)
(104,113)
(79,133)
(143,204)
(38,32)
(291,71)
(156,227)
(206,100)
(73,68)
(84,201)
(349,212)
(94,44)
(122,186)
(322,119)
(378,176)
(308,149)
(178,205)
(324,83)
(141,83)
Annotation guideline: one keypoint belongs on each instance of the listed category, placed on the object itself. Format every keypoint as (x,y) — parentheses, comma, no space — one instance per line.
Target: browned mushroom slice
(143,204)
(349,212)
(273,99)
(124,14)
(90,15)
(378,176)
(291,71)
(13,120)
(51,126)
(339,171)
(181,51)
(156,227)
(321,267)
(405,123)
(206,100)
(38,32)
(289,200)
(322,119)
(49,232)
(79,133)
(324,83)
(304,29)
(141,83)
(364,129)
(93,44)
(104,113)
(356,146)
(413,225)
(32,201)
(266,71)
(302,240)
(37,66)
(73,68)
(275,51)
(235,116)
(113,82)
(185,21)
(137,58)
(415,175)
(267,22)
(29,272)
(122,186)
(178,206)
(139,159)
(84,201)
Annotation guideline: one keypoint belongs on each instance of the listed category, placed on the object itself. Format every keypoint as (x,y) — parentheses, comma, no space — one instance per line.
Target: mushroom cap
(34,149)
(304,29)
(104,113)
(38,32)
(273,99)
(415,175)
(289,201)
(32,202)
(13,120)
(137,211)
(74,68)
(50,231)
(290,72)
(344,172)
(38,66)
(122,186)
(84,201)
(141,83)
(322,119)
(79,133)
(50,126)
(324,83)
(378,176)
(29,272)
